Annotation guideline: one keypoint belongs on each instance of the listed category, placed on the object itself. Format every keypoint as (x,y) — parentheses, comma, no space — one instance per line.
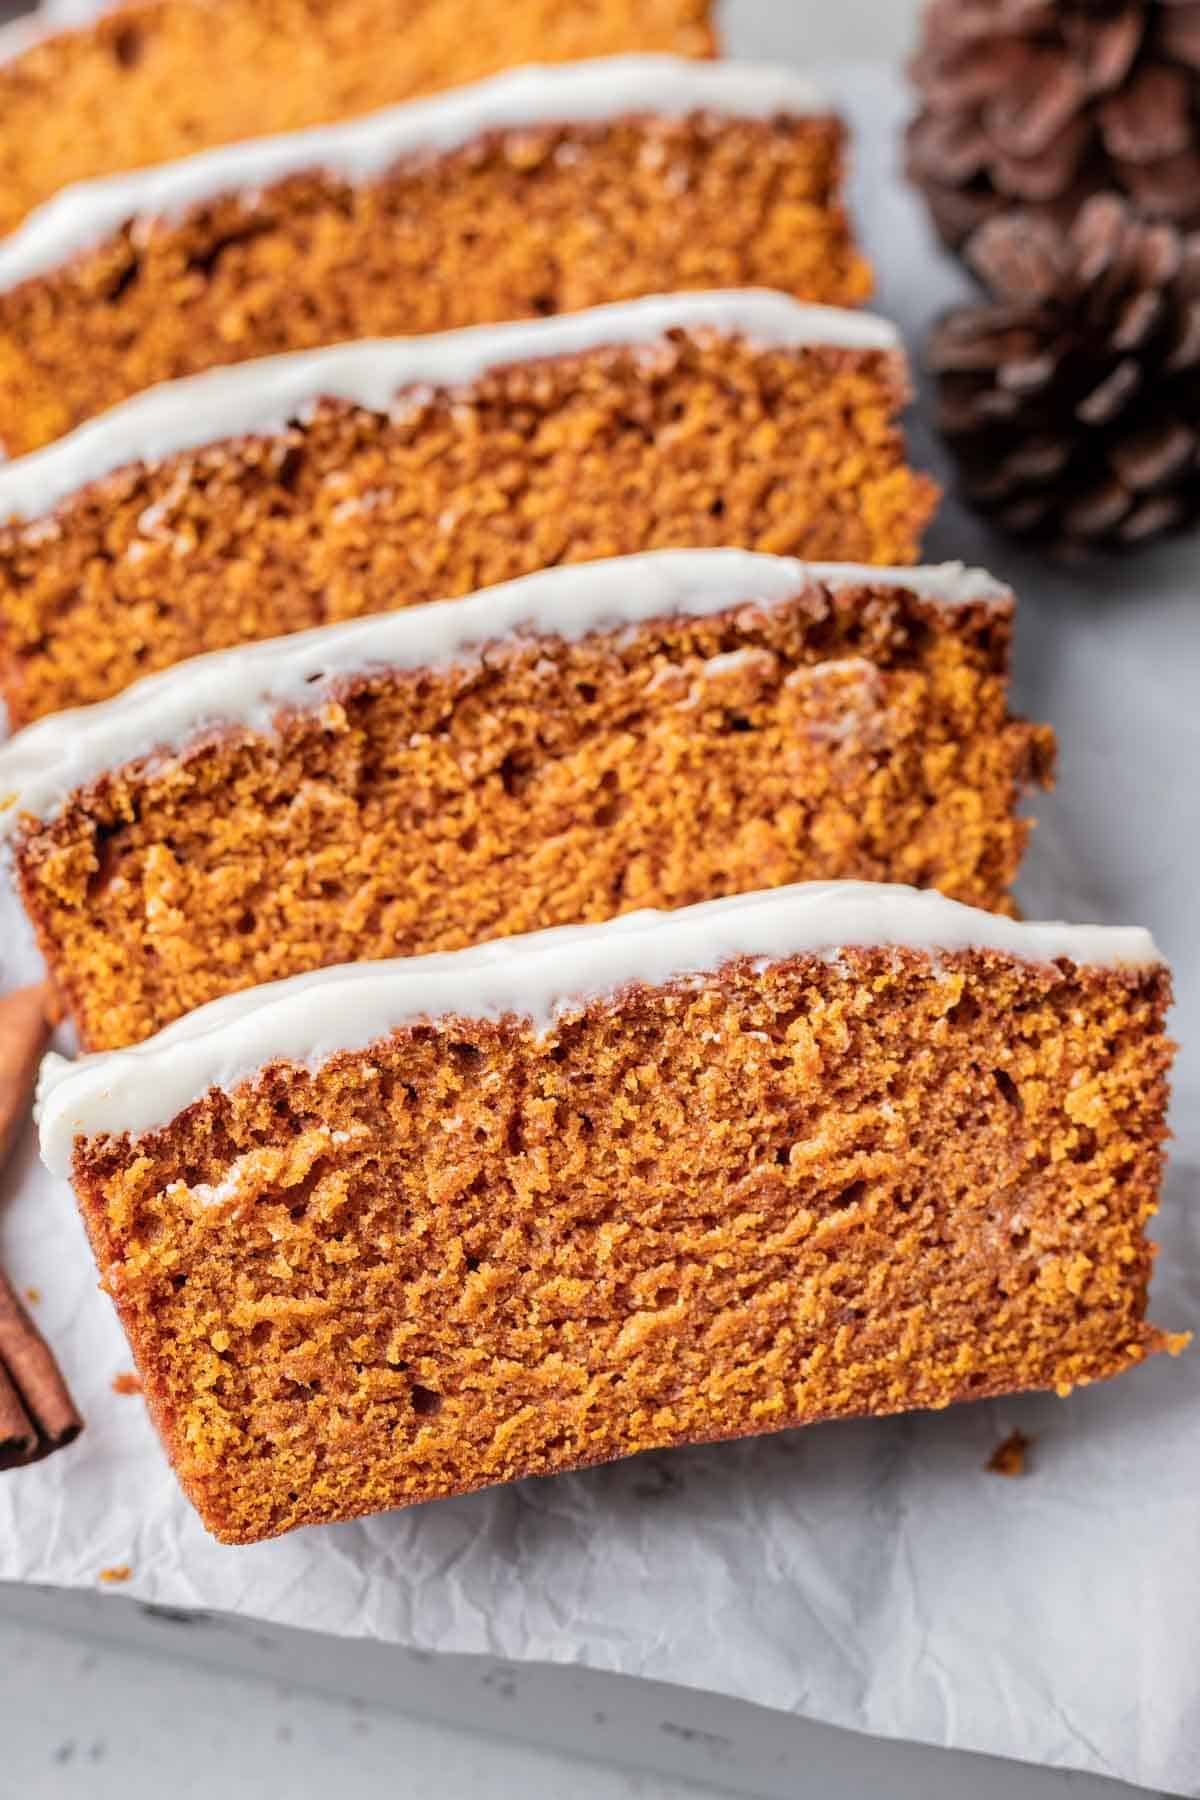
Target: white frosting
(539,978)
(260,397)
(23,33)
(608,88)
(247,686)
(70,15)
(50,19)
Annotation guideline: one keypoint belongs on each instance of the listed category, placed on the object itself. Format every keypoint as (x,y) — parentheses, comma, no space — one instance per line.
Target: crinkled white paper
(872,1574)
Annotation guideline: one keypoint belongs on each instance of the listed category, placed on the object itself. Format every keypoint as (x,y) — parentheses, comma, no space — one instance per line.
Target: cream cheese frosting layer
(49,20)
(584,93)
(260,397)
(247,686)
(26,33)
(538,978)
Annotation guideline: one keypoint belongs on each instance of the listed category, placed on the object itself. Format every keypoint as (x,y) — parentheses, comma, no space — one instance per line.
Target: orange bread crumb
(720,1206)
(702,440)
(518,225)
(1011,1458)
(154,80)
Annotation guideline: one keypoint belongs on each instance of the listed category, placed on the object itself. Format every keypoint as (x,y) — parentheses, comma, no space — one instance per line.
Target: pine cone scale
(1141,316)
(1153,518)
(1045,98)
(1185,352)
(1046,175)
(966,345)
(1168,188)
(1018,258)
(1157,455)
(1150,119)
(1097,237)
(1106,49)
(967,79)
(967,21)
(1179,36)
(952,144)
(1023,379)
(1159,256)
(1109,398)
(1098,513)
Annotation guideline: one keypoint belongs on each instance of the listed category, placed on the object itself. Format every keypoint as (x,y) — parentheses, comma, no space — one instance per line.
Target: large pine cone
(1072,399)
(1041,103)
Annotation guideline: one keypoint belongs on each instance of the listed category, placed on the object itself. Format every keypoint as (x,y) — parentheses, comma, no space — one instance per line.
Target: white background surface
(82,1718)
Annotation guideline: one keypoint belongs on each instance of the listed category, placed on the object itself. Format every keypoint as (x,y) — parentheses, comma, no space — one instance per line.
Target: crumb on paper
(1010,1458)
(118,1572)
(126,1383)
(33,1295)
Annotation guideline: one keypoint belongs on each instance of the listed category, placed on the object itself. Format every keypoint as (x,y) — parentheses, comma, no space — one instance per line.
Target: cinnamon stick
(37,1413)
(18,1433)
(34,1376)
(24,1034)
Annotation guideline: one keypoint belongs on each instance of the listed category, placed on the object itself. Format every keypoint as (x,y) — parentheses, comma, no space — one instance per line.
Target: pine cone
(1041,103)
(1072,399)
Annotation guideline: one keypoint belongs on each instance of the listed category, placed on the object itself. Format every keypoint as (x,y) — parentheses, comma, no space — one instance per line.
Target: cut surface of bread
(392,1233)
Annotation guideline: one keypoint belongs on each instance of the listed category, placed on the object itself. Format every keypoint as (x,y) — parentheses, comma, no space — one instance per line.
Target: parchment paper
(869,1574)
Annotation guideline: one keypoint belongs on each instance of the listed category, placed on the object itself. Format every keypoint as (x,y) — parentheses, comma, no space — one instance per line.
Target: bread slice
(393,1232)
(299,490)
(657,730)
(541,191)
